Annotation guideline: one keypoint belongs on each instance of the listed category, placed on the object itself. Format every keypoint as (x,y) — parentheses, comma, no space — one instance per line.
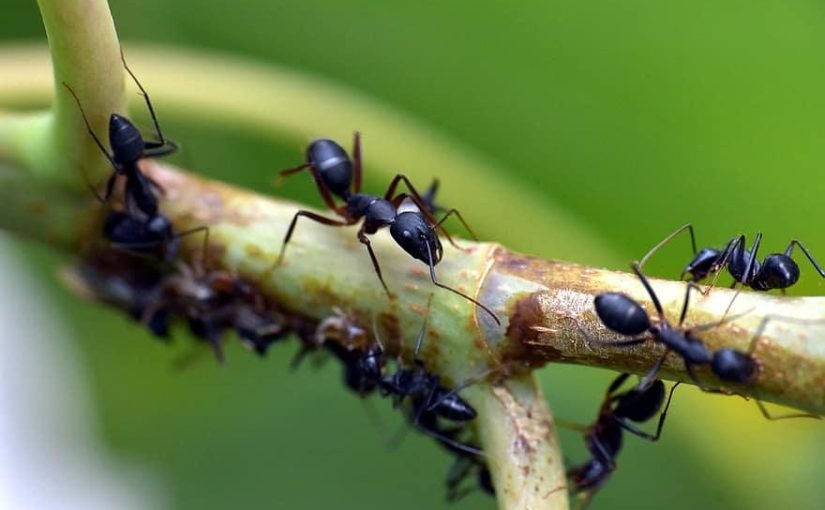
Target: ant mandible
(776,271)
(412,228)
(603,438)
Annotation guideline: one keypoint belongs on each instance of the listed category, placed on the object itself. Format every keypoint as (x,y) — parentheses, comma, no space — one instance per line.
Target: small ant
(617,414)
(129,147)
(621,314)
(412,227)
(424,390)
(776,271)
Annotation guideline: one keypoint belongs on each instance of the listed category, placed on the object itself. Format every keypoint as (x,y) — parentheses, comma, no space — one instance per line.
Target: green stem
(85,55)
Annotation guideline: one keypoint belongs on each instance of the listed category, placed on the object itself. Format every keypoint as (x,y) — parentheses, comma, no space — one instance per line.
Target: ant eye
(407,234)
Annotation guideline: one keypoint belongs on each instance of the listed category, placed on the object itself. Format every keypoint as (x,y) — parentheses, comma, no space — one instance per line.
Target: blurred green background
(633,117)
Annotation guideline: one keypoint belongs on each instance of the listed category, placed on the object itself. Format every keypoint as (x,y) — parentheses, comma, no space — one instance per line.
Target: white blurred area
(49,455)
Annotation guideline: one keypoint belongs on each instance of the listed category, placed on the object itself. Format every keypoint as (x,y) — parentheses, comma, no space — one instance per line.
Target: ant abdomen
(620,313)
(334,165)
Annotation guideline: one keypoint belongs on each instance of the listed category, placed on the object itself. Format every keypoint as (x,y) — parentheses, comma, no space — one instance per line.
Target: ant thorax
(407,205)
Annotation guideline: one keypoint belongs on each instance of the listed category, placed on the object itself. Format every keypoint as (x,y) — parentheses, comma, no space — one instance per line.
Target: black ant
(620,313)
(776,271)
(412,227)
(603,438)
(623,315)
(129,147)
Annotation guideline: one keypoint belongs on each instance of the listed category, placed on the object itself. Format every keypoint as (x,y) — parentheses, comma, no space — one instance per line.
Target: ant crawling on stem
(412,227)
(128,148)
(622,314)
(776,271)
(617,414)
(139,227)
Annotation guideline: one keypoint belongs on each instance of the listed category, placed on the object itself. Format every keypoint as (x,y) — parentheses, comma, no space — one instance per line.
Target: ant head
(640,405)
(779,271)
(412,233)
(125,140)
(734,366)
(702,264)
(333,163)
(620,313)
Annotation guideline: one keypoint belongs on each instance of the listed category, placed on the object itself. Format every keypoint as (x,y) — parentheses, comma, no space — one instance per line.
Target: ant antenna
(95,138)
(145,97)
(455,291)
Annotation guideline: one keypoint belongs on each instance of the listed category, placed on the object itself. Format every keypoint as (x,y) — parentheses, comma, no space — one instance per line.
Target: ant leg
(314,217)
(429,197)
(751,267)
(769,416)
(326,194)
(716,324)
(205,230)
(616,384)
(110,183)
(394,184)
(789,249)
(635,267)
(722,261)
(159,149)
(668,239)
(662,417)
(362,237)
(147,100)
(356,161)
(625,343)
(690,286)
(155,185)
(653,372)
(460,218)
(456,291)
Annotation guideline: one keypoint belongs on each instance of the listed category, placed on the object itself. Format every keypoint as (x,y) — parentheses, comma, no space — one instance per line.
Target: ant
(129,147)
(617,414)
(623,315)
(424,389)
(776,271)
(413,227)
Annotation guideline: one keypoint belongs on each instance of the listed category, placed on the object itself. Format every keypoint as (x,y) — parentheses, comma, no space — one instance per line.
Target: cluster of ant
(141,272)
(621,314)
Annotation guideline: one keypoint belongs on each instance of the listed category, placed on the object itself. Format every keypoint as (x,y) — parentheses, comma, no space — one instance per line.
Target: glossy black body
(620,313)
(619,413)
(413,228)
(334,165)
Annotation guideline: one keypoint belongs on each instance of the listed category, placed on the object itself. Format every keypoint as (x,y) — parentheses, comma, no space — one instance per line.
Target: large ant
(776,271)
(603,438)
(623,315)
(412,227)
